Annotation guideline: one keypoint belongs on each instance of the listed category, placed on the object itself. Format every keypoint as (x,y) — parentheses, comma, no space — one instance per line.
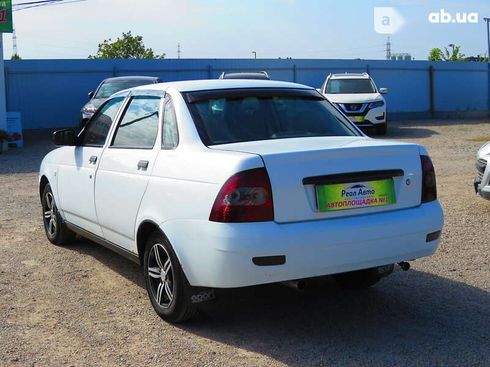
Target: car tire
(55,228)
(359,279)
(381,129)
(166,283)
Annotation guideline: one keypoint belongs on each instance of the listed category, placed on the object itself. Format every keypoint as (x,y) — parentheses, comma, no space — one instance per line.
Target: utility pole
(388,49)
(255,54)
(3,100)
(178,50)
(14,42)
(487,20)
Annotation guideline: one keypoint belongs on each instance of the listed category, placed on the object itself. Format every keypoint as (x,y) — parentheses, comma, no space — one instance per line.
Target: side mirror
(65,137)
(383,90)
(90,95)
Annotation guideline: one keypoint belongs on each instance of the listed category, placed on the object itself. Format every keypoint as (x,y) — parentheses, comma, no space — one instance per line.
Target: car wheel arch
(145,230)
(42,184)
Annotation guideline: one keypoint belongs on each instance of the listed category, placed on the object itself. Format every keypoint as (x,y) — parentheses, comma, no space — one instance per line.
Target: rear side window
(253,115)
(95,133)
(170,135)
(139,125)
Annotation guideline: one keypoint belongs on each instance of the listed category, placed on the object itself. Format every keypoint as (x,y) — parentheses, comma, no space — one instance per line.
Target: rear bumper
(220,254)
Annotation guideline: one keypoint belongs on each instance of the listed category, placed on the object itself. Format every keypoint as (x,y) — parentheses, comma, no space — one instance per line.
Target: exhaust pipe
(296,284)
(404,265)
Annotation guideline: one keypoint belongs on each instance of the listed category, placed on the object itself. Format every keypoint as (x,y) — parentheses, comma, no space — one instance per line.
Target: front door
(77,172)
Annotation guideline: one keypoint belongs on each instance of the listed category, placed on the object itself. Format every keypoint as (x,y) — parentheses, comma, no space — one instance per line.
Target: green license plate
(357,118)
(343,196)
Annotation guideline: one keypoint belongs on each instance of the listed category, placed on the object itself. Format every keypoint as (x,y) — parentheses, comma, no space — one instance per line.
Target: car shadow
(402,131)
(125,267)
(409,318)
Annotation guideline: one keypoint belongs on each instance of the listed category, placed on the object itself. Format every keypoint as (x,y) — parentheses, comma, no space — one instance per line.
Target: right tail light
(429,190)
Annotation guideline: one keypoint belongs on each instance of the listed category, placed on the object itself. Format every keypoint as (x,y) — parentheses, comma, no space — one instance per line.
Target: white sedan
(232,183)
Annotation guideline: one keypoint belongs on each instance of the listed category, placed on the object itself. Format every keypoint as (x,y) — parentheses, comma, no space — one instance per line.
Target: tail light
(245,197)
(429,191)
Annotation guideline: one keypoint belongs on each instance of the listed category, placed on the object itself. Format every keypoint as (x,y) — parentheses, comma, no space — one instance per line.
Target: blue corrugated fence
(50,93)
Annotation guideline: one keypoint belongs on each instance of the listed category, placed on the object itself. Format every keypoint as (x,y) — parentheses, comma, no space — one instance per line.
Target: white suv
(482,180)
(358,98)
(228,183)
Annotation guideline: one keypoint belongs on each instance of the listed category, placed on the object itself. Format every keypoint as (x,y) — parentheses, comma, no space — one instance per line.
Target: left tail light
(245,197)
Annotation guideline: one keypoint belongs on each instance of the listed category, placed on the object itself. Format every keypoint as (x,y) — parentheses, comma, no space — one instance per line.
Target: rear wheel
(167,286)
(54,226)
(362,278)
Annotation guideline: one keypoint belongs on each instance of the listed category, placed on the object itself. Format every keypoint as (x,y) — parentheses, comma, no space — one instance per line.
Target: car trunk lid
(303,171)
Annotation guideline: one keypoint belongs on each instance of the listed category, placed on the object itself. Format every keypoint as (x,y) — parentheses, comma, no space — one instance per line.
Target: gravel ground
(83,305)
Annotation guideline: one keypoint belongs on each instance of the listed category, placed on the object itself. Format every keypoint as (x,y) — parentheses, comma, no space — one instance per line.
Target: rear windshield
(107,89)
(246,115)
(350,86)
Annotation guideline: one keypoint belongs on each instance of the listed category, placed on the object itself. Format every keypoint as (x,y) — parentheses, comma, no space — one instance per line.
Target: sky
(235,28)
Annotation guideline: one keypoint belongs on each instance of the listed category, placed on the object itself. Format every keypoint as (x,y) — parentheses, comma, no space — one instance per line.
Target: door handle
(143,165)
(92,159)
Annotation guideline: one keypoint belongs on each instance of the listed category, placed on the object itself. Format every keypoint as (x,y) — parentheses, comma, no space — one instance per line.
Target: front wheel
(54,226)
(167,286)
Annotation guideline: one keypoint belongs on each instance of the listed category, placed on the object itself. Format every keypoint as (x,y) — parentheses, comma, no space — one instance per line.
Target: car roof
(350,76)
(119,78)
(201,85)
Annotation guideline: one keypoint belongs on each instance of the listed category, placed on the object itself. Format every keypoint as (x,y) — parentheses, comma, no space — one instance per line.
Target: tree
(15,57)
(436,54)
(126,47)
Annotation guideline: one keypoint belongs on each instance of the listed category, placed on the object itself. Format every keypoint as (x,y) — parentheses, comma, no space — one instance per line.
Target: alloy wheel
(161,275)
(50,218)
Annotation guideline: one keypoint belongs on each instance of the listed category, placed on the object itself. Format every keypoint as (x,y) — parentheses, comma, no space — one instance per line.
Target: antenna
(388,49)
(178,50)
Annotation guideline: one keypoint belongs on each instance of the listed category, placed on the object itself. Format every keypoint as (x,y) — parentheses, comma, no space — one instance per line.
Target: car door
(124,169)
(76,173)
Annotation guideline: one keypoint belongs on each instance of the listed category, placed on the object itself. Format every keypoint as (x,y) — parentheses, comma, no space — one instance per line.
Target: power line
(36,4)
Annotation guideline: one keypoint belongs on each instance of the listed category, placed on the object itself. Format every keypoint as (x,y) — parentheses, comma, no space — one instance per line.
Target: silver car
(107,88)
(482,180)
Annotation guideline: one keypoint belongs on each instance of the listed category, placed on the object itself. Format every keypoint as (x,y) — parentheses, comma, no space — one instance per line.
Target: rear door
(124,169)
